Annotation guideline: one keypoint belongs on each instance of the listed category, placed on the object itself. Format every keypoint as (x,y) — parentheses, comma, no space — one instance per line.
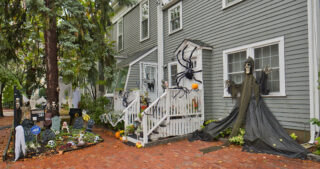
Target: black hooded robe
(264,134)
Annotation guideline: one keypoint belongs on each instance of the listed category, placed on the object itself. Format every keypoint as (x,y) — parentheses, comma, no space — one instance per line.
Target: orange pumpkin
(117,134)
(194,86)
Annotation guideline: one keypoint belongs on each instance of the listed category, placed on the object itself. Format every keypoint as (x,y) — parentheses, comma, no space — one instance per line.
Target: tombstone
(47,135)
(74,113)
(27,124)
(78,123)
(90,125)
(55,123)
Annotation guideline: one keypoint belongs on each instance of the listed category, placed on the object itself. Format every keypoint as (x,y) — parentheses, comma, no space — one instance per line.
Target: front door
(149,80)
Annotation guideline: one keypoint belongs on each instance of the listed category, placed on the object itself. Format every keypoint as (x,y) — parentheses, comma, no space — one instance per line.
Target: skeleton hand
(227,83)
(267,70)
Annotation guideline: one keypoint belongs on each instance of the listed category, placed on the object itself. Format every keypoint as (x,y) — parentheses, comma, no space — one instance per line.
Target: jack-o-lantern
(117,134)
(194,86)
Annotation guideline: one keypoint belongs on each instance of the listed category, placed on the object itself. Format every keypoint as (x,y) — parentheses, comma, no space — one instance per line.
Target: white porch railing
(172,116)
(167,116)
(132,111)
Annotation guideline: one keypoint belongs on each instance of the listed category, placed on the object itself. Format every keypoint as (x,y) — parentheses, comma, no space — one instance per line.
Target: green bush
(208,122)
(94,108)
(238,140)
(315,121)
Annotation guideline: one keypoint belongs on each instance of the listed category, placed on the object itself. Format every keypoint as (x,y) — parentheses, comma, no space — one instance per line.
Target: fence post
(168,97)
(145,128)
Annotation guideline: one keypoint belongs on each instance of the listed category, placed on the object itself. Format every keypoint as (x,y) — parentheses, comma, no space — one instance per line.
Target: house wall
(245,23)
(131,30)
(134,76)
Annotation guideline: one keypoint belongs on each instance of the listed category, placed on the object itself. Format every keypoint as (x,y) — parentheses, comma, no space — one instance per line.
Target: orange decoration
(117,134)
(194,86)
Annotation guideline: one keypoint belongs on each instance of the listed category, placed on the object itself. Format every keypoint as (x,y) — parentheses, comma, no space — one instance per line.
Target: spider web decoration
(112,117)
(188,73)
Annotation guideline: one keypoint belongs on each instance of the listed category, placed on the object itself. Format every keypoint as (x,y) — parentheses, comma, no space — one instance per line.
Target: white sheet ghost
(20,142)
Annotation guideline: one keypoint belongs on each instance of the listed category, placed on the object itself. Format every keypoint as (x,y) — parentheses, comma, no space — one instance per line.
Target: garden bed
(63,142)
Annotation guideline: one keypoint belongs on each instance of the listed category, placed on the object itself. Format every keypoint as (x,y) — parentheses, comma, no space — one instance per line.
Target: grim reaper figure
(263,133)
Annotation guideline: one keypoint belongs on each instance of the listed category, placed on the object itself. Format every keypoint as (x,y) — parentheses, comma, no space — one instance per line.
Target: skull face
(54,106)
(17,103)
(51,143)
(248,68)
(96,138)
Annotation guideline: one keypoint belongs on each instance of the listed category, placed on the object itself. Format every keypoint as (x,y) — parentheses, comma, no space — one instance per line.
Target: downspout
(313,40)
(160,45)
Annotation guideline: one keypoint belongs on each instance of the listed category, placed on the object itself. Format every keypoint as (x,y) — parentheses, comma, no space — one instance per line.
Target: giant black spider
(188,72)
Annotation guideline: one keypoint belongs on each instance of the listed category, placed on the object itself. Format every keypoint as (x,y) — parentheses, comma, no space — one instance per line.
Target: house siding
(242,24)
(131,30)
(134,76)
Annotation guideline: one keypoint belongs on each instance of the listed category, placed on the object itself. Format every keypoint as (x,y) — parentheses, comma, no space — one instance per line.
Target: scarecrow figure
(263,133)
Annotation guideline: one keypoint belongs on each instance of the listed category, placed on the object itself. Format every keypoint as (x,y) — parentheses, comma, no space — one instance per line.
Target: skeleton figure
(80,140)
(96,139)
(263,132)
(65,126)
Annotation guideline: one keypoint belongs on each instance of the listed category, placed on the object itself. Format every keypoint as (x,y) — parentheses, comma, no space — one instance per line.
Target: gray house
(284,35)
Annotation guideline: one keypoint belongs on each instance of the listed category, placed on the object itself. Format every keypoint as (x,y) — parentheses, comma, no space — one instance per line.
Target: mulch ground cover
(112,153)
(5,121)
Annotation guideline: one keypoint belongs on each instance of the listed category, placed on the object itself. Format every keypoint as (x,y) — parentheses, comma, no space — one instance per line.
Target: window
(227,3)
(235,66)
(172,73)
(120,34)
(175,18)
(144,20)
(266,53)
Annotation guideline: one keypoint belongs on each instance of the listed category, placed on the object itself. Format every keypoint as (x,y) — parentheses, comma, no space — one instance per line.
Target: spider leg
(178,80)
(179,73)
(190,62)
(197,80)
(183,53)
(182,58)
(197,71)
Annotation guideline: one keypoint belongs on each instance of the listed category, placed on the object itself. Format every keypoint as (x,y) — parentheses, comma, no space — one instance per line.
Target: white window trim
(169,18)
(250,52)
(169,72)
(143,39)
(226,5)
(120,20)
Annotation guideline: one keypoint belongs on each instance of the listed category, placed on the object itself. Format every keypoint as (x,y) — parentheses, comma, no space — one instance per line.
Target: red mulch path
(5,121)
(183,154)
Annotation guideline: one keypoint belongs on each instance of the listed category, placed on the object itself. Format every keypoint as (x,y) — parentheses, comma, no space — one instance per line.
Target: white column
(160,46)
(313,37)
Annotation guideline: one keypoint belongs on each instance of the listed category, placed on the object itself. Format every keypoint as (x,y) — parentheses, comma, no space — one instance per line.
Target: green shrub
(293,136)
(238,140)
(208,122)
(315,121)
(94,108)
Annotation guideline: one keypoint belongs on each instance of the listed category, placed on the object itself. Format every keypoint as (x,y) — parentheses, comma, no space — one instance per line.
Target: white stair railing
(132,111)
(187,110)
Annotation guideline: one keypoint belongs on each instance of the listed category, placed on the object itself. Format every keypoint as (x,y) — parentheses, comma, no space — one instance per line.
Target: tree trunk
(1,91)
(51,39)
